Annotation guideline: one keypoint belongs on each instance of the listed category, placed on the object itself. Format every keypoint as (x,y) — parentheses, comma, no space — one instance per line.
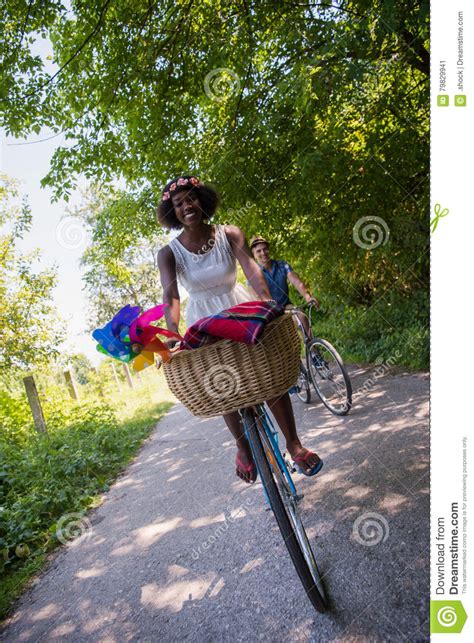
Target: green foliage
(82,367)
(396,329)
(29,324)
(121,263)
(320,118)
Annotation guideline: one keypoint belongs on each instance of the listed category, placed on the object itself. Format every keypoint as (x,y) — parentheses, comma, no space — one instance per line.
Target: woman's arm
(167,268)
(243,255)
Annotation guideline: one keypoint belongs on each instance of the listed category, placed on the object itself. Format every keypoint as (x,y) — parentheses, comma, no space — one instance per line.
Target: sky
(61,238)
(62,241)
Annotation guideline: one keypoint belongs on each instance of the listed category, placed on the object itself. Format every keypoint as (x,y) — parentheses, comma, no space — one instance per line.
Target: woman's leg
(244,453)
(283,411)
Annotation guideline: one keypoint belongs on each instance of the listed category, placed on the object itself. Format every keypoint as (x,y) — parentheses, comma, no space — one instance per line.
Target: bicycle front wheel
(329,376)
(284,507)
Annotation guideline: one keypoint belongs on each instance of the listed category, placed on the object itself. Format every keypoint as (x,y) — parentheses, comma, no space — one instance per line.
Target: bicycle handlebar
(295,309)
(310,305)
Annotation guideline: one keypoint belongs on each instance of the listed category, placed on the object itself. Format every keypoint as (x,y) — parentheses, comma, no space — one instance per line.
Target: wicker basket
(227,376)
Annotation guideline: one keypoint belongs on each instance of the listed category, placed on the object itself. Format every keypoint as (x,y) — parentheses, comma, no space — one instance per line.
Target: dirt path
(181,549)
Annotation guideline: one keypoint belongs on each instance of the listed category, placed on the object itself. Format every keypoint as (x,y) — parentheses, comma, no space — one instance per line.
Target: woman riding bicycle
(203,259)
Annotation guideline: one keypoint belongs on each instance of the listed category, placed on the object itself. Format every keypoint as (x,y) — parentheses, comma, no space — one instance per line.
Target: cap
(257,239)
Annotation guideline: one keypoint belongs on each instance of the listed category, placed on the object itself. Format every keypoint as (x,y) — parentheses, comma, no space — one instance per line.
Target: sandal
(304,470)
(249,470)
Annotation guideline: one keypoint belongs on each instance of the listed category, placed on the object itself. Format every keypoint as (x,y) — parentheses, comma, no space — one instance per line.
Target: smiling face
(187,207)
(261,253)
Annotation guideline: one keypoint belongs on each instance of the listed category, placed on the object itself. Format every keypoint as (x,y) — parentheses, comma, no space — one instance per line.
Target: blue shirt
(277,280)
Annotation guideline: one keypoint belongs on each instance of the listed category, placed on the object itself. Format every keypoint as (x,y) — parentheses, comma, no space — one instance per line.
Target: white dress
(210,278)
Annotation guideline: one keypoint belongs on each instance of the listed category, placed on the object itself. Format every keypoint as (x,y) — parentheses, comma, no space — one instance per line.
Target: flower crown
(181,182)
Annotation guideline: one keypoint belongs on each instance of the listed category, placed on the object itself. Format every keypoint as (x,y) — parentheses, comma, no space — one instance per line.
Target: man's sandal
(301,460)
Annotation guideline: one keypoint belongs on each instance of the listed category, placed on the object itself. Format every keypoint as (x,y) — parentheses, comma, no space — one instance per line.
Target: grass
(67,471)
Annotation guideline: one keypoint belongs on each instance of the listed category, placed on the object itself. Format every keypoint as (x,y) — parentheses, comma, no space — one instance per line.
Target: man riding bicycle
(277,275)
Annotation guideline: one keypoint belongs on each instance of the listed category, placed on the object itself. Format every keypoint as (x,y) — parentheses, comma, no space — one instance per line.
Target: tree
(315,113)
(82,367)
(121,262)
(30,329)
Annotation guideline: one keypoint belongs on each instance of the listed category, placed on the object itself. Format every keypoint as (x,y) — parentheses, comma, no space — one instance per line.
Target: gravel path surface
(182,549)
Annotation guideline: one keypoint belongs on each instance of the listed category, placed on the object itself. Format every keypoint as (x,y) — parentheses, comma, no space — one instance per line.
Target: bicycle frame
(299,309)
(261,414)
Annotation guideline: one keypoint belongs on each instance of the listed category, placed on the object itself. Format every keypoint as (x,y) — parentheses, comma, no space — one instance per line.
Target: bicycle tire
(304,389)
(316,596)
(346,406)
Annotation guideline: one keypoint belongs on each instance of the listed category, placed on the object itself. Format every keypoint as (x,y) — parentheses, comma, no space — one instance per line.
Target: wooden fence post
(35,404)
(117,381)
(71,385)
(126,370)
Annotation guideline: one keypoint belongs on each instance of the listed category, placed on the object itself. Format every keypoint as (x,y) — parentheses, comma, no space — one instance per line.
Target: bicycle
(321,366)
(207,381)
(280,491)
